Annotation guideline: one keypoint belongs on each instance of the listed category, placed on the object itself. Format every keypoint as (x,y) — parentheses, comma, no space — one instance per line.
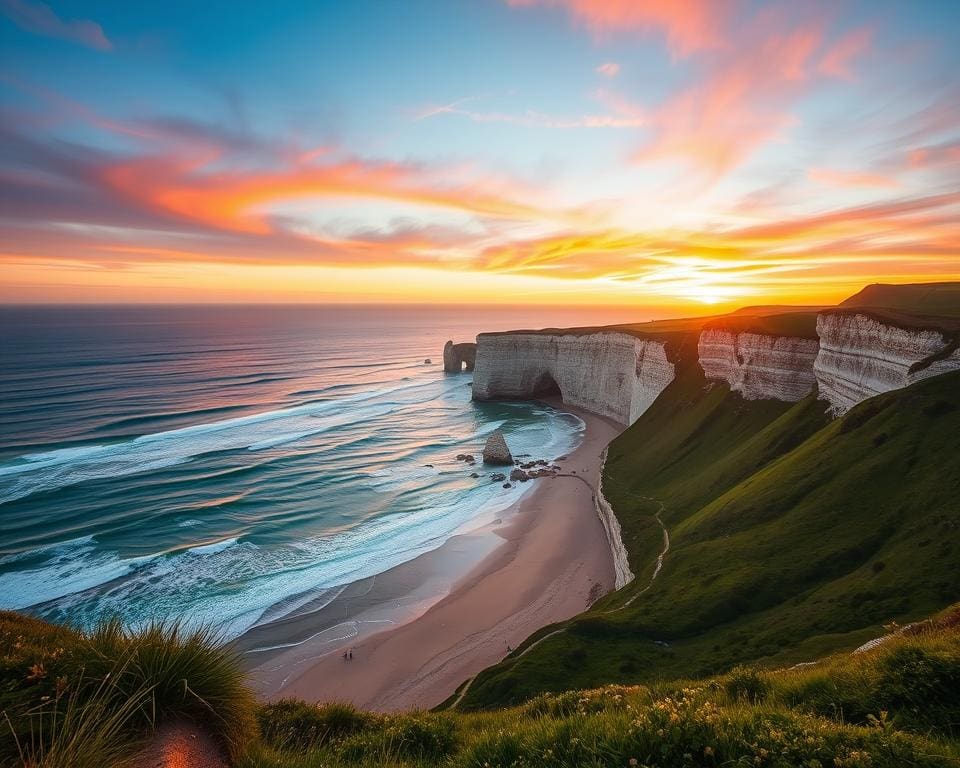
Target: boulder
(518,475)
(496,450)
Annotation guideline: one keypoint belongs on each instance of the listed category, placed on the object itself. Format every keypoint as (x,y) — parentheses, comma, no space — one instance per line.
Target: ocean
(232,465)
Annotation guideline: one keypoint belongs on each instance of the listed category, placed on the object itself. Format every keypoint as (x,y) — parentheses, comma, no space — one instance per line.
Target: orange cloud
(840,178)
(234,200)
(689,25)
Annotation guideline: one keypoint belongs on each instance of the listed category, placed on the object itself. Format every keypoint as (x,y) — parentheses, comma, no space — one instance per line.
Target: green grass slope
(896,705)
(791,537)
(919,298)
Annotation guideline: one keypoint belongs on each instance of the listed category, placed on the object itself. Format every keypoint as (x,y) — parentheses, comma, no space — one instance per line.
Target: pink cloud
(609,69)
(837,60)
(40,19)
(689,25)
(742,103)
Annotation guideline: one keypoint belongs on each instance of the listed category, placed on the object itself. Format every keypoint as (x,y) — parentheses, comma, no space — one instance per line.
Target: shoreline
(420,629)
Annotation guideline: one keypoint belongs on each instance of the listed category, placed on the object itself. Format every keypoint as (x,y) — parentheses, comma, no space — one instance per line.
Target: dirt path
(181,745)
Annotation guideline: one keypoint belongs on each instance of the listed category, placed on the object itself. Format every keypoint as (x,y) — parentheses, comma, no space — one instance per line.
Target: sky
(680,156)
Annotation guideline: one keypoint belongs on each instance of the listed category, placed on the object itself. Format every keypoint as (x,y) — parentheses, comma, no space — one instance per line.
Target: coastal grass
(792,536)
(65,689)
(896,705)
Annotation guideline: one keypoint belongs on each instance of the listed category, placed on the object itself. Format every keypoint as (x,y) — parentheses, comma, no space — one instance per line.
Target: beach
(420,629)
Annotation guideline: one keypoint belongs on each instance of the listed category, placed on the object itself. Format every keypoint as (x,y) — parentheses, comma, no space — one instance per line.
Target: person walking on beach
(351,654)
(345,656)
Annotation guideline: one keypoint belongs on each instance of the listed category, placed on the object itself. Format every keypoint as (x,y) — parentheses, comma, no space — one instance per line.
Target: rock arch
(456,357)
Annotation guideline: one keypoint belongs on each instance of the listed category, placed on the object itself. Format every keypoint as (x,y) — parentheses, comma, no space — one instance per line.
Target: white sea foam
(234,583)
(58,468)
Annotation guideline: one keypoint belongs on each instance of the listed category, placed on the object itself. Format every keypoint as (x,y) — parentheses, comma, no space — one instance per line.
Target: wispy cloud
(838,59)
(531,118)
(848,178)
(40,19)
(609,69)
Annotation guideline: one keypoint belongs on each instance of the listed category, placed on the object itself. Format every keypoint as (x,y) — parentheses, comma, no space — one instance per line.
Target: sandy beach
(419,630)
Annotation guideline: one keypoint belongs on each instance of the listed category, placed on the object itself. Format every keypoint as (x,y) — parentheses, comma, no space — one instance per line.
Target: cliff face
(861,356)
(611,374)
(759,366)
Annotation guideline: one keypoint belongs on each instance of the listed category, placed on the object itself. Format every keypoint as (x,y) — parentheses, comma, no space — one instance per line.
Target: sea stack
(496,450)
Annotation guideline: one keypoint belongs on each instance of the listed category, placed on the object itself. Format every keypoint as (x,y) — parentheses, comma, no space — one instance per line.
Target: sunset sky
(683,156)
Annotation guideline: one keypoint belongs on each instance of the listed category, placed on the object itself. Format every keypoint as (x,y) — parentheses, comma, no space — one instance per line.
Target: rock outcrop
(456,357)
(612,374)
(496,450)
(862,355)
(759,366)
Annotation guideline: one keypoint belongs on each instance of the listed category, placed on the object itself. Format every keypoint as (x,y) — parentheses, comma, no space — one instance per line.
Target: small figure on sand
(346,655)
(350,656)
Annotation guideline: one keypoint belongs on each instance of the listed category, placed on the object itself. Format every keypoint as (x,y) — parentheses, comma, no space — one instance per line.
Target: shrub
(293,724)
(420,736)
(690,730)
(920,687)
(746,684)
(582,702)
(165,670)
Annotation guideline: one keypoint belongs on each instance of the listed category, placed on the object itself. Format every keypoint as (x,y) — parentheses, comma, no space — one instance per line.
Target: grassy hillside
(791,536)
(919,298)
(896,705)
(799,324)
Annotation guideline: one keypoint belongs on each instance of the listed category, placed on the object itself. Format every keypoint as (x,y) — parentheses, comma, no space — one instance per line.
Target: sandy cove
(546,559)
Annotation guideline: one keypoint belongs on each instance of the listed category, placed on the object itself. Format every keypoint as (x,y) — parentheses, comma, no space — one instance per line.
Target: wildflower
(37,672)
(632,761)
(708,751)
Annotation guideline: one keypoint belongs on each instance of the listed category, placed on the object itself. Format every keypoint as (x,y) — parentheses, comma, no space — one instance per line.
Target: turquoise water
(229,466)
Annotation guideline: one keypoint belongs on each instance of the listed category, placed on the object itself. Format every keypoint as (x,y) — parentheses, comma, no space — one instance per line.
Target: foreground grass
(100,695)
(76,699)
(898,705)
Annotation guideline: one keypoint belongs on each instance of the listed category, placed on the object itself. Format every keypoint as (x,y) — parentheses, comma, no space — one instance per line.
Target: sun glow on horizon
(687,156)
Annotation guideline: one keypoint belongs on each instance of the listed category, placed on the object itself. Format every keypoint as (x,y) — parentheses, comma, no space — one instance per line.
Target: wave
(51,470)
(235,584)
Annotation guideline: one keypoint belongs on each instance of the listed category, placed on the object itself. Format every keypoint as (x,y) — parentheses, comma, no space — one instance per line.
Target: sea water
(231,465)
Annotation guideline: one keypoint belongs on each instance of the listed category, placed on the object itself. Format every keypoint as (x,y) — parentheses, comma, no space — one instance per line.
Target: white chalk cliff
(759,366)
(608,373)
(861,356)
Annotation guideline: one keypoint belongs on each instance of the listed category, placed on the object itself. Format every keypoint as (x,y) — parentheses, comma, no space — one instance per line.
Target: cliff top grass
(792,536)
(801,325)
(930,299)
(896,705)
(917,305)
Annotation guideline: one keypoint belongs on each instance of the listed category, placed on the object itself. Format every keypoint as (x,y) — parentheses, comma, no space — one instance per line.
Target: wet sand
(419,630)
